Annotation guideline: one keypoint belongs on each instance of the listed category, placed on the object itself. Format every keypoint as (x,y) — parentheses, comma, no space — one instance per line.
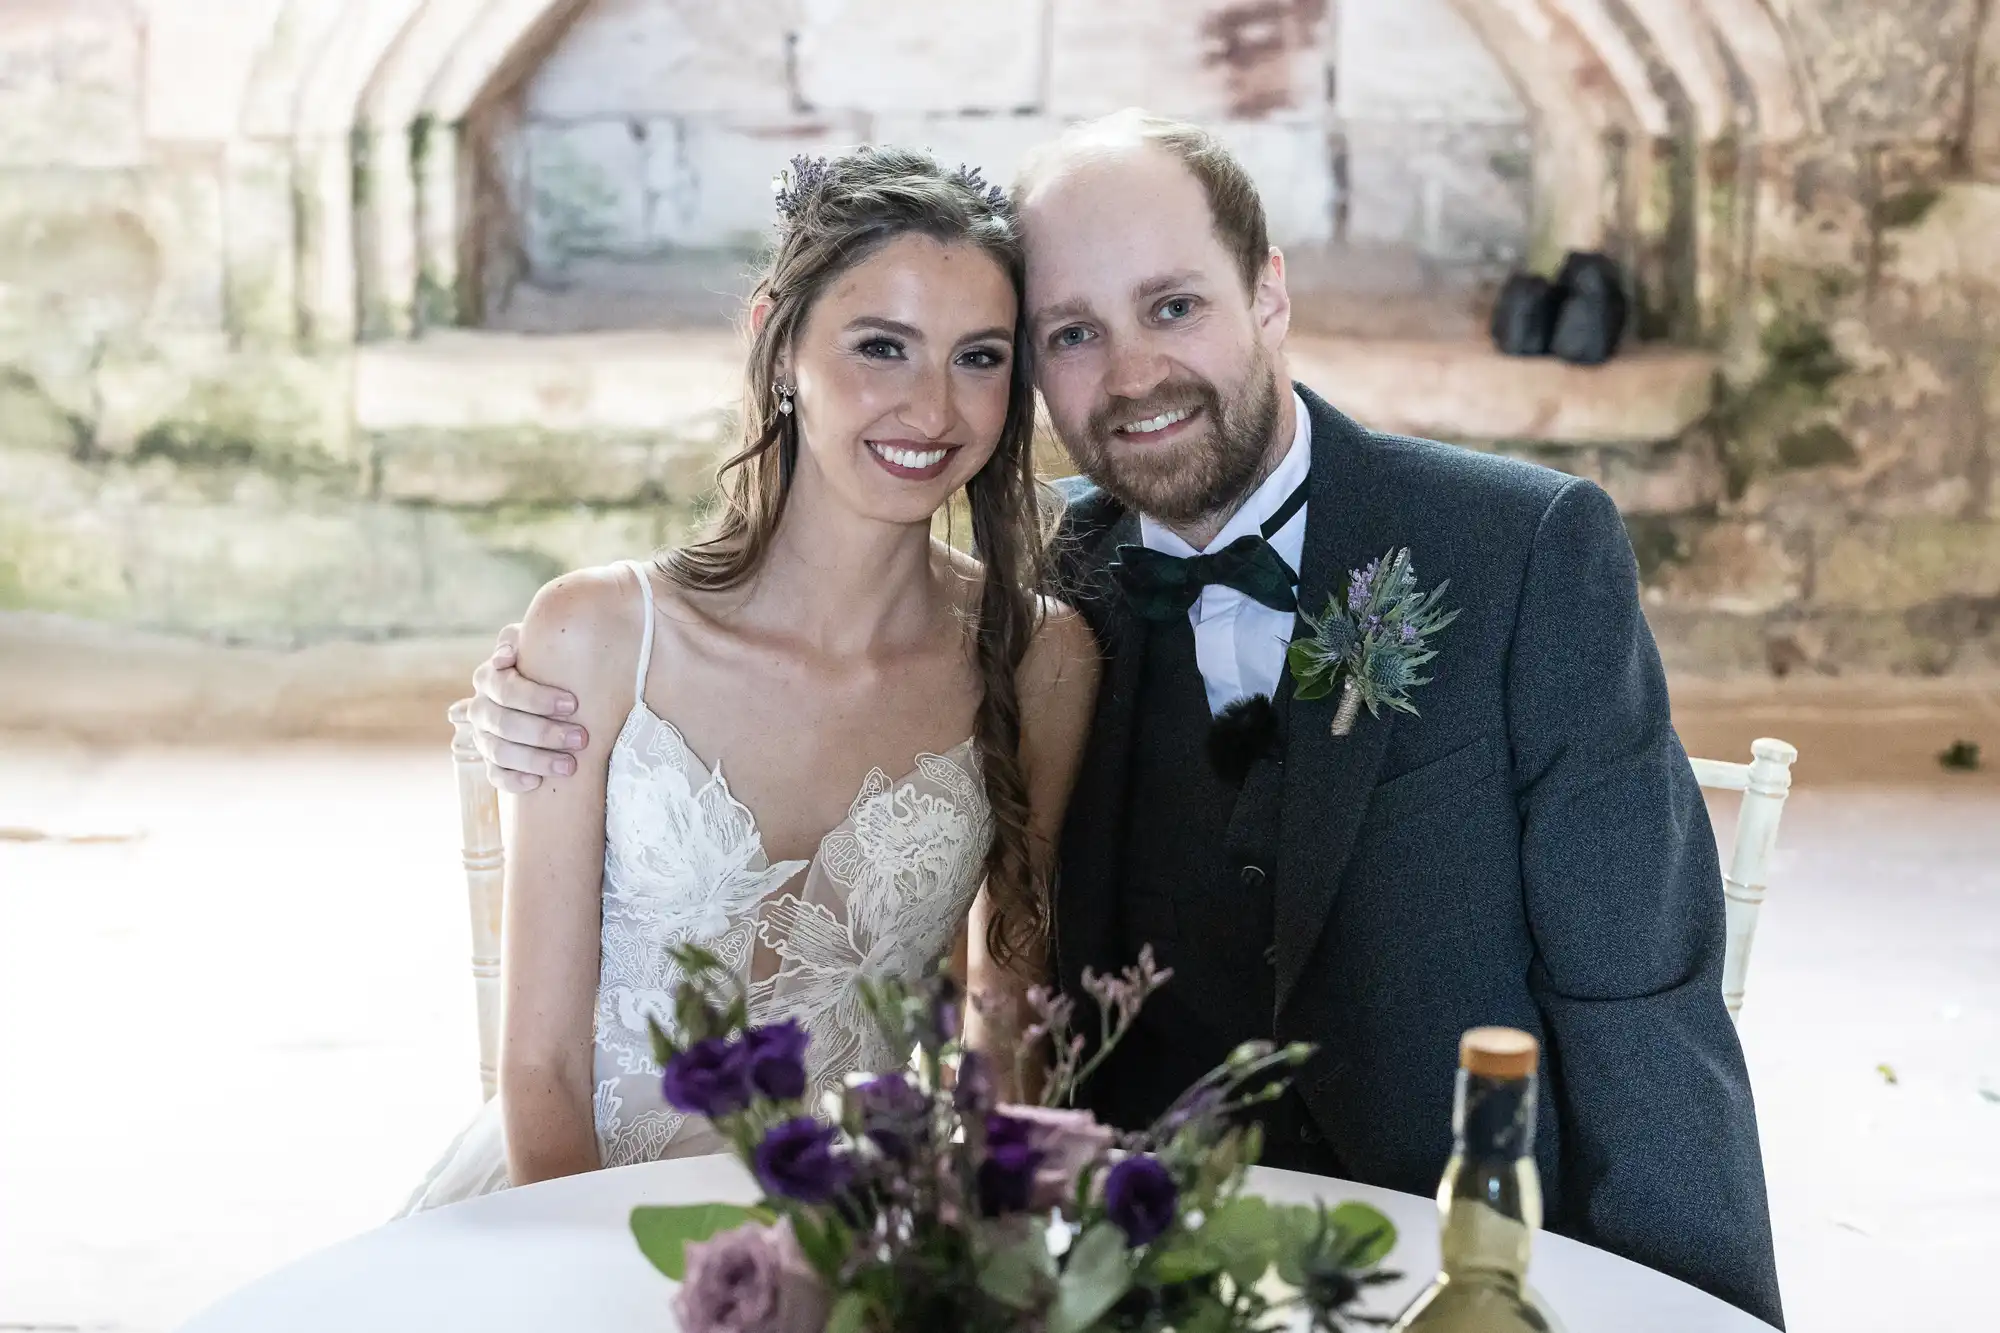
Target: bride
(818,742)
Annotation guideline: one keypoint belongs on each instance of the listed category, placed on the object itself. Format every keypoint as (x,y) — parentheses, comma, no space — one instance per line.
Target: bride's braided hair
(833,214)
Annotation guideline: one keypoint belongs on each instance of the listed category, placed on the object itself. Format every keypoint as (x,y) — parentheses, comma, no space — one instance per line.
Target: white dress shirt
(1239,643)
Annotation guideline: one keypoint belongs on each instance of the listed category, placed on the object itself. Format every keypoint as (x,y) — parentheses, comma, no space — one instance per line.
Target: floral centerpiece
(922,1201)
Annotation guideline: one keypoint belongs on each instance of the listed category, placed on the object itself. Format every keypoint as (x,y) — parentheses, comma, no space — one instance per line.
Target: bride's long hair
(838,213)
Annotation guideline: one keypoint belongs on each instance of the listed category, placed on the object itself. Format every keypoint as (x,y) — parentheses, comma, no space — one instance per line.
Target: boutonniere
(1370,642)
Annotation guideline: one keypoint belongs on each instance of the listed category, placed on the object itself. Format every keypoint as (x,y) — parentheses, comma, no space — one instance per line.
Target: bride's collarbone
(799,754)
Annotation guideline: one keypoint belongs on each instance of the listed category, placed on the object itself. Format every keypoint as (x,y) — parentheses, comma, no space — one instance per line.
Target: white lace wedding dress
(883,895)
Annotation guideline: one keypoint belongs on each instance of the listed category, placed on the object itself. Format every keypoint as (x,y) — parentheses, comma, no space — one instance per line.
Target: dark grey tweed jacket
(1532,851)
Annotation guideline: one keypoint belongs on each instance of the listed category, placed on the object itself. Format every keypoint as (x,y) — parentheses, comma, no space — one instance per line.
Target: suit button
(1308,1135)
(1253,876)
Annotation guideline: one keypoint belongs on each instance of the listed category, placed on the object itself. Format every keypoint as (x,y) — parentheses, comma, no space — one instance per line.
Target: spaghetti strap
(646,638)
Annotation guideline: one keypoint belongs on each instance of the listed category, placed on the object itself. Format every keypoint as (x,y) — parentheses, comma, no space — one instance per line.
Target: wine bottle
(1490,1201)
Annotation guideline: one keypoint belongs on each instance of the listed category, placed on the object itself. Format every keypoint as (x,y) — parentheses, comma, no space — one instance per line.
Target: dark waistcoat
(1196,882)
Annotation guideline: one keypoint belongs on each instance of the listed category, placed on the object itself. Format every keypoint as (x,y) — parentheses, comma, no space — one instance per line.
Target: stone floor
(235,1025)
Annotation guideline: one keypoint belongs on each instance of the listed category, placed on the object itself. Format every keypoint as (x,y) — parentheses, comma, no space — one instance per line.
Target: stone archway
(1645,114)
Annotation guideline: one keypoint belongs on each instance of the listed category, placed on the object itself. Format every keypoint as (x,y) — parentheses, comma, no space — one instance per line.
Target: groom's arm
(1660,1156)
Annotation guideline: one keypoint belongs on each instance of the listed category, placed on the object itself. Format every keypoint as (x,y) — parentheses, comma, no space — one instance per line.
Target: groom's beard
(1193,479)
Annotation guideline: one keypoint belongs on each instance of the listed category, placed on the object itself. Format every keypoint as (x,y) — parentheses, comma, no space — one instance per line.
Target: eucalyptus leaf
(1185,1259)
(823,1242)
(1020,1275)
(1317,687)
(850,1313)
(1364,1232)
(665,1233)
(1097,1274)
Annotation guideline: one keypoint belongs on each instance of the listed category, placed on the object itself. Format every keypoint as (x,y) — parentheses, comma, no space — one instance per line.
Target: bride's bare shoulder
(585,624)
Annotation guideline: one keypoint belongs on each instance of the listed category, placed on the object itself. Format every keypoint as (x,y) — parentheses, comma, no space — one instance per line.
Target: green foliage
(1375,634)
(1094,1276)
(665,1233)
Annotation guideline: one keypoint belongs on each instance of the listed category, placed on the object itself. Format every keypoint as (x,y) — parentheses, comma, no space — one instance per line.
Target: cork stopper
(1498,1053)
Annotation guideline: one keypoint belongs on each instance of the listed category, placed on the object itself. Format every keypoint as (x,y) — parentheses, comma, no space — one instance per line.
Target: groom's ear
(1271,301)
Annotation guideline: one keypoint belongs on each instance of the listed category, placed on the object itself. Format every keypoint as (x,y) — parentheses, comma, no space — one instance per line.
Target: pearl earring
(784,398)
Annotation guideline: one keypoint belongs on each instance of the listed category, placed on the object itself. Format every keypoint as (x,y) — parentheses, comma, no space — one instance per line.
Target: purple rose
(1140,1197)
(800,1160)
(1065,1141)
(776,1060)
(1007,1175)
(710,1078)
(891,1112)
(754,1279)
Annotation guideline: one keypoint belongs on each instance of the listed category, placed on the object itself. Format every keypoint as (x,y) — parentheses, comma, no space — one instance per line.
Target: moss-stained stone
(1779,418)
(31,419)
(197,401)
(1888,565)
(570,537)
(1819,445)
(1728,565)
(1906,208)
(1887,70)
(258,561)
(523,465)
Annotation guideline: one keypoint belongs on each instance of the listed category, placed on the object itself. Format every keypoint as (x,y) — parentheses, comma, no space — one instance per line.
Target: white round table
(560,1256)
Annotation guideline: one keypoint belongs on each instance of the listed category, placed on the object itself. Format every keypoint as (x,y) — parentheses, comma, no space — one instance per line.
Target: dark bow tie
(1159,586)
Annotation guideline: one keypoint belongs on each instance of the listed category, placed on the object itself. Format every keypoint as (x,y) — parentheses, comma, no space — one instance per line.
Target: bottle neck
(1490,1201)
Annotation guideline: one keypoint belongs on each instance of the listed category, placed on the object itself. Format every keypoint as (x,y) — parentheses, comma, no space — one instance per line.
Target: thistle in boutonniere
(1370,641)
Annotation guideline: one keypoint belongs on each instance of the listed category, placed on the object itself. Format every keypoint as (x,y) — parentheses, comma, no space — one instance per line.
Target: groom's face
(1158,364)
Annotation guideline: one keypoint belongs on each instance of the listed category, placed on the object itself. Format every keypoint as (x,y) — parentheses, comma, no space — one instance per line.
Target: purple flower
(1065,1143)
(891,1113)
(1409,634)
(799,1159)
(1007,1176)
(1360,583)
(710,1078)
(776,1060)
(1140,1197)
(753,1279)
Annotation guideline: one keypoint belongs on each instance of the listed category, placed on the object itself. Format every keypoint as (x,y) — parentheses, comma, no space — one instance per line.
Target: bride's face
(901,371)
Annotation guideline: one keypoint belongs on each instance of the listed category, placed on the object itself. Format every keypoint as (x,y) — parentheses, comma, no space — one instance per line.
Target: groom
(1530,849)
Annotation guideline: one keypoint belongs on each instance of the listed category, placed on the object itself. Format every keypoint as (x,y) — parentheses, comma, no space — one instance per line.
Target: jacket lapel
(1085,905)
(1327,779)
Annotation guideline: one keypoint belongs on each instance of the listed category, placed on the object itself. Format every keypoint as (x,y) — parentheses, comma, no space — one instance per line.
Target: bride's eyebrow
(881,324)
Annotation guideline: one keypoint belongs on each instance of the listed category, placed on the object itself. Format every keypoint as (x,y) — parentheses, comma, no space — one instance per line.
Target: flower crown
(794,190)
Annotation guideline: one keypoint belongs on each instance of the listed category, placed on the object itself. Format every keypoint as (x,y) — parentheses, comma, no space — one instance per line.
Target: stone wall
(640,151)
(267,273)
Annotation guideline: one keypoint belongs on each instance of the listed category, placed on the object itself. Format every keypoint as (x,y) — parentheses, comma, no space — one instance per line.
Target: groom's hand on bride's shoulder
(522,727)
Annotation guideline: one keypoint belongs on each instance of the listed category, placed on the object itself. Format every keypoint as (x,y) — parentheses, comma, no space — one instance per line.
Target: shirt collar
(1287,477)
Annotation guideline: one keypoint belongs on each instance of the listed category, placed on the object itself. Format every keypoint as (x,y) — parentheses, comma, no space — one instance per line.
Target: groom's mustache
(1171,396)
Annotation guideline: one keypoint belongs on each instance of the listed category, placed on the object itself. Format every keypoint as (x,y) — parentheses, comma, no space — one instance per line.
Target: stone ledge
(610,383)
(114,685)
(485,418)
(1466,391)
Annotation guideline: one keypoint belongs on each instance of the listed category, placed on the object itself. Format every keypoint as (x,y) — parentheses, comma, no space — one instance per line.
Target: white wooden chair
(479,825)
(1765,782)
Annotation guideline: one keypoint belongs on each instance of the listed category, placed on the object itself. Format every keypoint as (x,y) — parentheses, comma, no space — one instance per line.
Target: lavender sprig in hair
(991,195)
(793,189)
